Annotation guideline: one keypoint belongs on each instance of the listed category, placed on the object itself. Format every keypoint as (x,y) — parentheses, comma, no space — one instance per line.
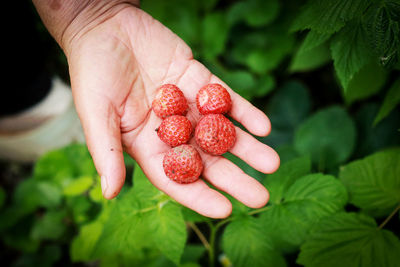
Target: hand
(116,66)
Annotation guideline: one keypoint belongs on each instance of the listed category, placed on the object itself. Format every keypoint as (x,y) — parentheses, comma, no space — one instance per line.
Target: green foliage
(280,181)
(83,245)
(78,186)
(263,50)
(310,59)
(373,182)
(350,51)
(312,40)
(367,82)
(215,33)
(327,136)
(392,99)
(327,16)
(50,226)
(382,22)
(349,239)
(255,13)
(305,200)
(372,138)
(143,217)
(246,245)
(287,108)
(319,69)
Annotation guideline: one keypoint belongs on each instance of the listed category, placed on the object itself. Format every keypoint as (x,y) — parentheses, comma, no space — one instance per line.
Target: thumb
(101,125)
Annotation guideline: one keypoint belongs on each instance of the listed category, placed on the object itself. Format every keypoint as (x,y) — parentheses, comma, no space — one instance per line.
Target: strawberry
(213,99)
(175,130)
(169,101)
(183,164)
(215,134)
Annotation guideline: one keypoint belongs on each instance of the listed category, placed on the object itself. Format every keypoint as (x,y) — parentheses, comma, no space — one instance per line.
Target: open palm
(116,68)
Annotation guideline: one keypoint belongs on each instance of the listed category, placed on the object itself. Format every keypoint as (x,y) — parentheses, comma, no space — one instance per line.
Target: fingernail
(104,185)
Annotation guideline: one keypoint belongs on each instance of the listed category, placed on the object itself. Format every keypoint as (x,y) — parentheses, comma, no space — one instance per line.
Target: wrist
(67,20)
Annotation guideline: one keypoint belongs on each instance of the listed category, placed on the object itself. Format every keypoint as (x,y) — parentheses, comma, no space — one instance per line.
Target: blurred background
(331,95)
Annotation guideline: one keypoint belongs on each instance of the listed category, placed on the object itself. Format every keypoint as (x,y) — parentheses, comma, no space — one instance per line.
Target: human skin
(118,56)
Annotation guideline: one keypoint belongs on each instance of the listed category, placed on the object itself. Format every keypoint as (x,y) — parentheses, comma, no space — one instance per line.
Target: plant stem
(200,235)
(389,217)
(259,210)
(250,213)
(211,252)
(221,223)
(147,209)
(210,245)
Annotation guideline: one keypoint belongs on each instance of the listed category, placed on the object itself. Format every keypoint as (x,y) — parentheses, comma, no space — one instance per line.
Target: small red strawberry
(169,101)
(175,130)
(213,99)
(215,134)
(183,164)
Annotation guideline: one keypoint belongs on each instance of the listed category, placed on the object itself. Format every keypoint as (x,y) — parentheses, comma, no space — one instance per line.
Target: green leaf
(263,50)
(236,12)
(265,84)
(351,240)
(142,218)
(46,256)
(193,253)
(79,207)
(264,60)
(260,12)
(64,165)
(289,106)
(382,23)
(50,226)
(28,196)
(370,138)
(127,229)
(78,186)
(254,12)
(310,59)
(245,244)
(181,16)
(286,153)
(328,16)
(83,245)
(208,4)
(215,31)
(278,182)
(245,83)
(95,193)
(169,231)
(31,194)
(365,83)
(303,203)
(350,52)
(392,99)
(18,236)
(242,82)
(49,255)
(328,136)
(142,187)
(373,182)
(313,40)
